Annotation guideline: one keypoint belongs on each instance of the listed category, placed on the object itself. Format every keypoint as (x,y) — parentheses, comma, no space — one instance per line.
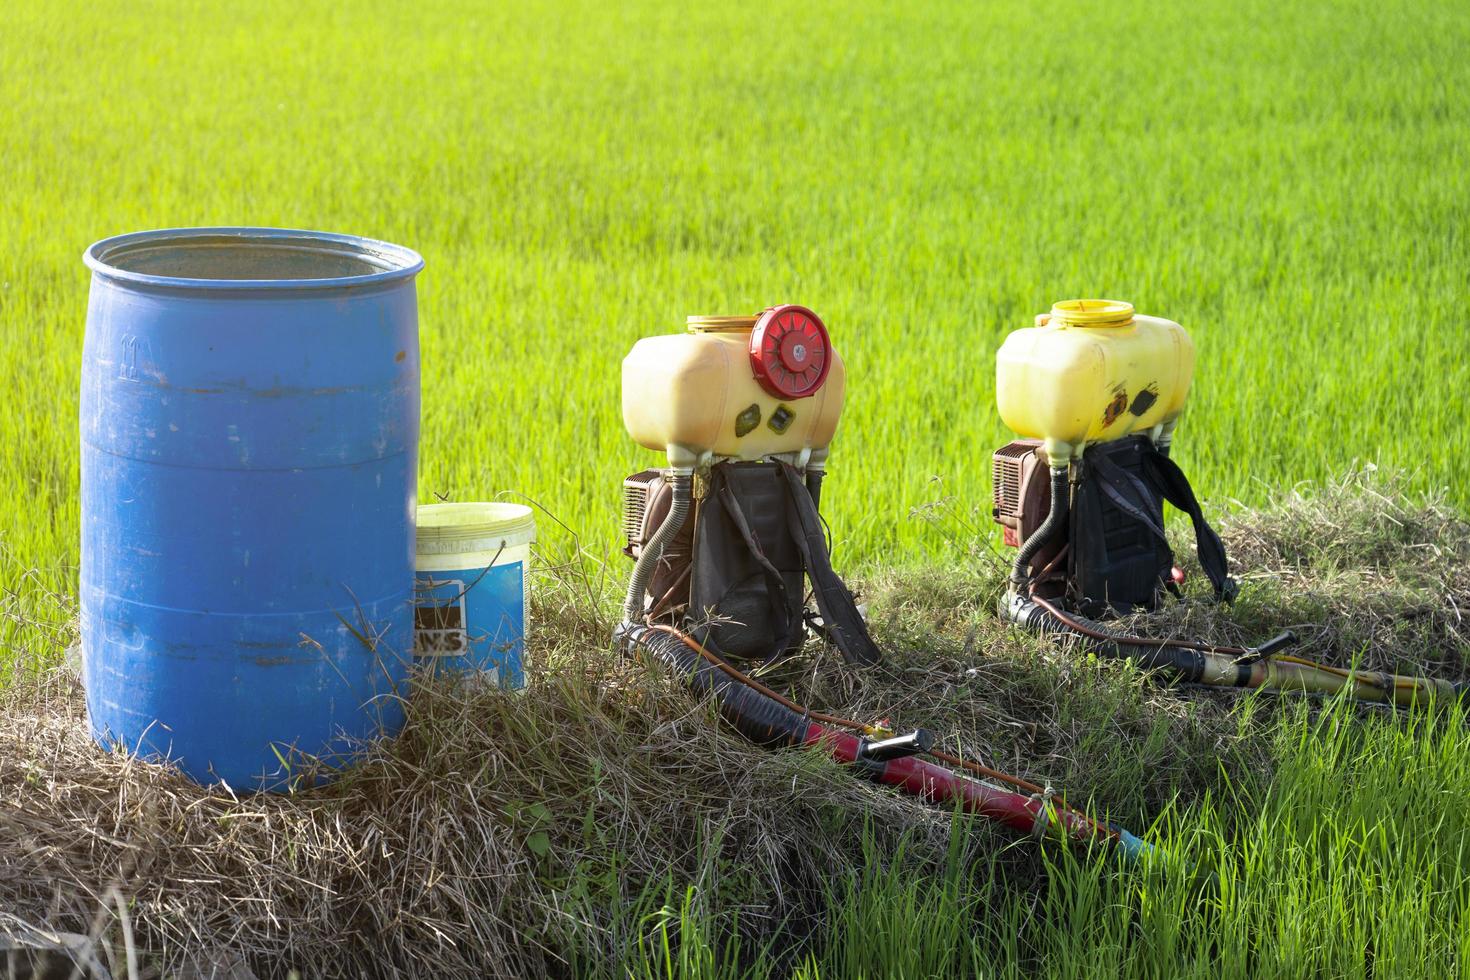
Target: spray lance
(726,538)
(1096,390)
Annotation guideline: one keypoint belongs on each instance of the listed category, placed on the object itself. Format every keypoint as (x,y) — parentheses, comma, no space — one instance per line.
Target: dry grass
(528,835)
(1364,571)
(498,835)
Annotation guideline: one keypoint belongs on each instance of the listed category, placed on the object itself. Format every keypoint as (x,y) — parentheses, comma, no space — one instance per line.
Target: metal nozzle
(917,742)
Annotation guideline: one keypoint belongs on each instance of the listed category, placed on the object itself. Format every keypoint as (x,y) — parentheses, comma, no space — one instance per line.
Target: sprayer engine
(727,536)
(1096,389)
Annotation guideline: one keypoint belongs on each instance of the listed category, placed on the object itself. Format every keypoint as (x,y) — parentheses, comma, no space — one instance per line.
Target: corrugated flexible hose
(654,549)
(765,721)
(1055,516)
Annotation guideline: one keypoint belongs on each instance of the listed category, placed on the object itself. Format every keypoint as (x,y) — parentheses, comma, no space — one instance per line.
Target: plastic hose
(648,558)
(985,772)
(814,486)
(768,721)
(1199,664)
(1184,663)
(1098,631)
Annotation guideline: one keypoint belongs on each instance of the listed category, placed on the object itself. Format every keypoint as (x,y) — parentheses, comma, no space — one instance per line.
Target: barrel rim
(399,262)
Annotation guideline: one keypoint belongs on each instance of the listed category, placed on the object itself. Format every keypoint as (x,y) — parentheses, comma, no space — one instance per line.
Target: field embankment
(605,823)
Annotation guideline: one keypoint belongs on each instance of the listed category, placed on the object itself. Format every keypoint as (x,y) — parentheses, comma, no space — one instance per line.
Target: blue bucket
(471,598)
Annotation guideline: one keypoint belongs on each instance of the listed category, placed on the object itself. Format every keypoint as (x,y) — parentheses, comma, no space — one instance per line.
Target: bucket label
(473,621)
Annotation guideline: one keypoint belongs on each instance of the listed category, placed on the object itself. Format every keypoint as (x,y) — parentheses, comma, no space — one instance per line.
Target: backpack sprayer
(726,538)
(1097,390)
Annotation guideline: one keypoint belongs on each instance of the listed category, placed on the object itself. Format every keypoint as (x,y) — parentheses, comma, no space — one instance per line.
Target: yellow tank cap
(720,324)
(1091,313)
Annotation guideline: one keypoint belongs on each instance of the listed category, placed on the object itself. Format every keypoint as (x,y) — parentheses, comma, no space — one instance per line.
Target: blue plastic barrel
(249,438)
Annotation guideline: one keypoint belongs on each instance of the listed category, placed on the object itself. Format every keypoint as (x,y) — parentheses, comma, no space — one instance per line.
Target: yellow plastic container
(1092,370)
(695,397)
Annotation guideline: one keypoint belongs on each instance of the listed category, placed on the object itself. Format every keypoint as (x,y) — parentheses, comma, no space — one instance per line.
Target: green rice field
(1290,181)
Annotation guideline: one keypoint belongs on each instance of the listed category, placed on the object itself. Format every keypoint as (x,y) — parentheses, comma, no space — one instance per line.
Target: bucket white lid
(450,528)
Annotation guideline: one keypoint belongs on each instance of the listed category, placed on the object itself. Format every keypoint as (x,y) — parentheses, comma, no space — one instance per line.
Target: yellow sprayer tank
(742,387)
(1093,370)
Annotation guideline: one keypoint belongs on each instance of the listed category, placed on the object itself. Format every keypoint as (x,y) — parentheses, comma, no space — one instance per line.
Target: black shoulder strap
(838,609)
(1126,491)
(1170,480)
(787,626)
